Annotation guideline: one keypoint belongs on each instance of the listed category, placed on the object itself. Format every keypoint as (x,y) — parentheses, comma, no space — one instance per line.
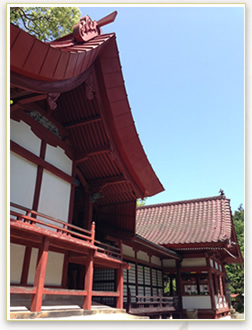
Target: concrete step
(72,312)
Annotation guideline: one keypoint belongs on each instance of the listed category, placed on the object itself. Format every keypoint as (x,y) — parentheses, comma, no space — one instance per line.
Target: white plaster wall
(187,262)
(155,260)
(57,157)
(54,196)
(17,253)
(169,263)
(142,256)
(128,251)
(22,180)
(54,268)
(33,263)
(200,302)
(22,134)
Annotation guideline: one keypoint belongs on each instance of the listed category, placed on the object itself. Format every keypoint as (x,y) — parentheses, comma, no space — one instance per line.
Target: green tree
(141,202)
(236,271)
(46,23)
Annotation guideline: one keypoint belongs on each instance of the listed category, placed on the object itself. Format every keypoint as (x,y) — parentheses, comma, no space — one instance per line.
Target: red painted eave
(63,65)
(55,61)
(121,121)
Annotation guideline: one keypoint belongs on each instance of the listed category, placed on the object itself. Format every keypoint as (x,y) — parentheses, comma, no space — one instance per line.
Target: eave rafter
(101,183)
(28,98)
(21,102)
(84,155)
(83,122)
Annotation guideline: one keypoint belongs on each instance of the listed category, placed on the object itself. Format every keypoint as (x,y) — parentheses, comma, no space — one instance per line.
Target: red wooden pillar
(39,279)
(88,211)
(210,284)
(136,271)
(179,287)
(119,288)
(72,194)
(64,271)
(26,264)
(151,284)
(88,286)
(93,233)
(221,289)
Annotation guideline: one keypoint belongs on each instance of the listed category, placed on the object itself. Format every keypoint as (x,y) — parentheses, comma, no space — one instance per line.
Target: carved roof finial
(221,192)
(87,29)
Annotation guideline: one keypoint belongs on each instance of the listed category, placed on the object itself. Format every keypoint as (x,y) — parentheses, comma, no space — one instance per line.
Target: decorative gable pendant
(87,29)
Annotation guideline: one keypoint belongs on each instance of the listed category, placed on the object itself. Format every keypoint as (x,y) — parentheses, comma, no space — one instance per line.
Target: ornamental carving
(51,100)
(86,29)
(45,122)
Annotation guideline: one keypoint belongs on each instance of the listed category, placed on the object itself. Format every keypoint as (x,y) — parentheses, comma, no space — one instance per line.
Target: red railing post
(88,285)
(39,279)
(119,287)
(121,250)
(93,233)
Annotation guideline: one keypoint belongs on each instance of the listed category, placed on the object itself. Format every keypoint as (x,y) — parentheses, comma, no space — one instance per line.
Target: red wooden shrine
(77,168)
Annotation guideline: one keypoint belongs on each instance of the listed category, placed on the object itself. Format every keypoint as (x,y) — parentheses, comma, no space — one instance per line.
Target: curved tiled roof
(199,221)
(64,66)
(56,61)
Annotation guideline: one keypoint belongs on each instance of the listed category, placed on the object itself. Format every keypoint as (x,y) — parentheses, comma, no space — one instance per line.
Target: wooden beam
(107,19)
(44,133)
(105,181)
(81,178)
(78,259)
(210,284)
(20,103)
(22,289)
(83,156)
(39,279)
(65,292)
(83,122)
(39,178)
(35,107)
(105,294)
(40,162)
(31,98)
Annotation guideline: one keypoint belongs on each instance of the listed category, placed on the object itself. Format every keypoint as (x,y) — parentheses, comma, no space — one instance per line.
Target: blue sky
(184,74)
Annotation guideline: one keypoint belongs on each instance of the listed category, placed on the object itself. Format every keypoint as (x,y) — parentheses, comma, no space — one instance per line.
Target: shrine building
(77,168)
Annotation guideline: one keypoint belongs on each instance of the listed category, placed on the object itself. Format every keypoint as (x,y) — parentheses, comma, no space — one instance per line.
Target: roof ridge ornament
(221,192)
(87,29)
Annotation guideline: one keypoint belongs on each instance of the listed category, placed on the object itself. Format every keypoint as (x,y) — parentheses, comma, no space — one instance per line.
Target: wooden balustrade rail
(27,216)
(31,219)
(63,227)
(150,305)
(109,250)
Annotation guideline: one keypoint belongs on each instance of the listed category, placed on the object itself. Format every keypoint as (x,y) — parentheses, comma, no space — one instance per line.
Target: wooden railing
(109,250)
(150,305)
(30,217)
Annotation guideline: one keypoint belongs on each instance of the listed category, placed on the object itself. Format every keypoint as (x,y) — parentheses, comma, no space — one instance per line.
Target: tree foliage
(141,202)
(46,23)
(236,271)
